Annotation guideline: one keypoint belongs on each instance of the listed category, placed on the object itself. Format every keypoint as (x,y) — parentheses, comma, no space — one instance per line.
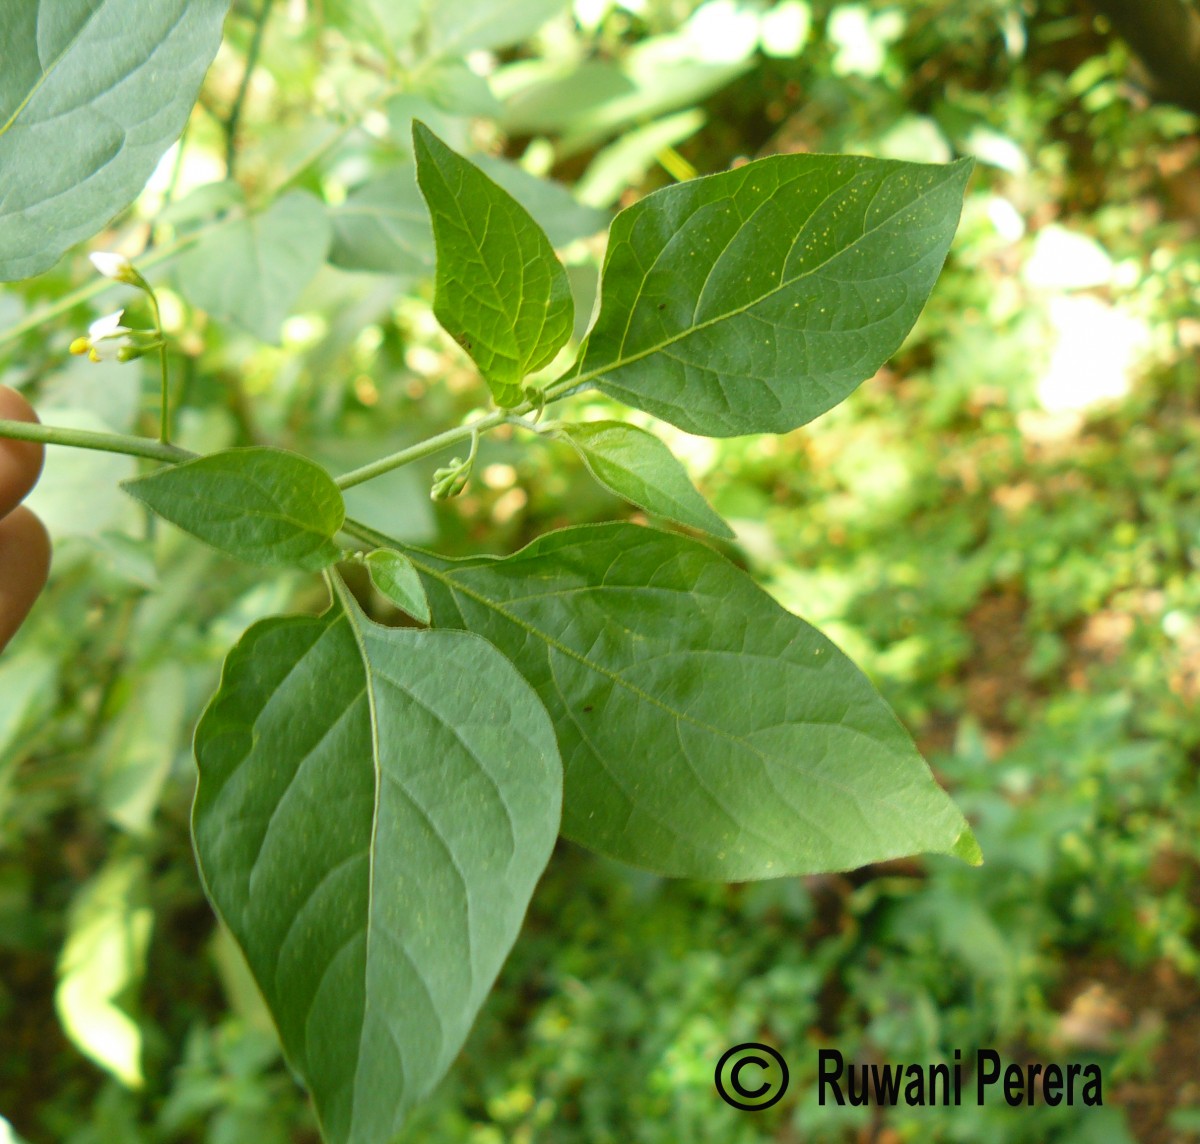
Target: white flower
(104,339)
(108,327)
(114,266)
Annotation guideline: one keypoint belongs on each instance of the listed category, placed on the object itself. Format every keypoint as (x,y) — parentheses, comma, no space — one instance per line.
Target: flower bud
(451,480)
(118,268)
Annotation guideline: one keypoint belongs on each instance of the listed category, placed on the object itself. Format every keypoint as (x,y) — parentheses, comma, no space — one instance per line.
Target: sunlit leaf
(501,292)
(103,958)
(457,27)
(755,300)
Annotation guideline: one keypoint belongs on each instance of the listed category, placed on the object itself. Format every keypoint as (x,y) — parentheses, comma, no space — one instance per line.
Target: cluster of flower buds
(450,480)
(107,339)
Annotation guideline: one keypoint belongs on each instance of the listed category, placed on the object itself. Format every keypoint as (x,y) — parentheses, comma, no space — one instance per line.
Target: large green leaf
(637,466)
(374,809)
(704,731)
(92,92)
(265,506)
(755,300)
(251,271)
(500,292)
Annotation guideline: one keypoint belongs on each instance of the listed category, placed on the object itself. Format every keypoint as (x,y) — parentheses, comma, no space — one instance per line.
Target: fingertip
(20,461)
(24,568)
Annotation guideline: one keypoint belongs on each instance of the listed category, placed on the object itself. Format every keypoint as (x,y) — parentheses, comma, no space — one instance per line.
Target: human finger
(20,461)
(24,566)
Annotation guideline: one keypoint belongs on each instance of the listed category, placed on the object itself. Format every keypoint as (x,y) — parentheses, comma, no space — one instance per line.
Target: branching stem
(163,450)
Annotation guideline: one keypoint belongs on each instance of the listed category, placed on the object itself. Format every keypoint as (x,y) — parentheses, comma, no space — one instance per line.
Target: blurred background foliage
(1002,527)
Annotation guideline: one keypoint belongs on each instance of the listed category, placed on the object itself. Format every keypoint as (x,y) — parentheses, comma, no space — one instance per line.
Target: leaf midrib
(621,363)
(618,680)
(47,72)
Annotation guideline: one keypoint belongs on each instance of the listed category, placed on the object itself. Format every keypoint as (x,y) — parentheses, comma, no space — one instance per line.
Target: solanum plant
(375,805)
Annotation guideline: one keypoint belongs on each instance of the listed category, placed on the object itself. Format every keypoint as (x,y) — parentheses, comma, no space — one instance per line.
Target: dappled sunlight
(1094,357)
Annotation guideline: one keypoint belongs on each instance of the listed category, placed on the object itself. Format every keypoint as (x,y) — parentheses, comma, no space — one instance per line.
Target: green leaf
(375,807)
(92,93)
(638,467)
(755,300)
(251,271)
(586,103)
(553,207)
(705,732)
(383,226)
(103,959)
(140,744)
(624,163)
(394,575)
(381,23)
(264,506)
(457,27)
(500,293)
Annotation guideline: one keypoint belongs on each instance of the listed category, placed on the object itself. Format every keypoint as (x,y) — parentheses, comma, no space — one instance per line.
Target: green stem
(235,113)
(164,417)
(558,389)
(163,450)
(87,439)
(415,452)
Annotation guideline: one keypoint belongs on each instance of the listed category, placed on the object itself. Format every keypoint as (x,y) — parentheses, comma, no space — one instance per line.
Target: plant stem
(235,112)
(87,439)
(164,417)
(562,388)
(163,450)
(425,448)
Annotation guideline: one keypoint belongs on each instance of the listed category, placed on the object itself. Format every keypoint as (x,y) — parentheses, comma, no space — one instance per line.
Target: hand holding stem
(24,545)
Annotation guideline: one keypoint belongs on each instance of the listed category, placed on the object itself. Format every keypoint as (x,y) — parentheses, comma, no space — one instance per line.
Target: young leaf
(264,506)
(395,576)
(91,95)
(754,300)
(705,732)
(639,468)
(500,292)
(251,271)
(375,807)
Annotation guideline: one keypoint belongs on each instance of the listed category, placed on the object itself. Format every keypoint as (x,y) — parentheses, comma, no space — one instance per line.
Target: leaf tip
(966,847)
